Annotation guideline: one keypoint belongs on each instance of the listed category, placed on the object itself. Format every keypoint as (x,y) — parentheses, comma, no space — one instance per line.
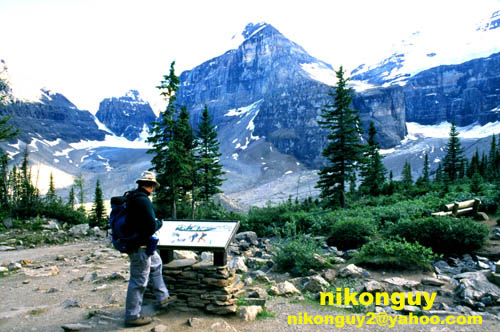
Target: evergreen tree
(454,155)
(79,182)
(406,176)
(71,198)
(208,157)
(372,169)
(425,173)
(173,148)
(438,176)
(184,155)
(474,164)
(6,132)
(3,92)
(29,194)
(493,159)
(483,166)
(476,183)
(344,149)
(162,140)
(352,185)
(98,212)
(51,193)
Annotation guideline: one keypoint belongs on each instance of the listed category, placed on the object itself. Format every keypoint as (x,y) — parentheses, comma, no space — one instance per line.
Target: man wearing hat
(145,262)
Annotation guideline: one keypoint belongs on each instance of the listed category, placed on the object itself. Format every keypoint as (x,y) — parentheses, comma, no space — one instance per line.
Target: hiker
(145,262)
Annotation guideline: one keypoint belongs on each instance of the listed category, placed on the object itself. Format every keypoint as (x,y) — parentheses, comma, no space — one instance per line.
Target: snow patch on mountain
(111,141)
(442,130)
(242,110)
(431,48)
(321,72)
(248,32)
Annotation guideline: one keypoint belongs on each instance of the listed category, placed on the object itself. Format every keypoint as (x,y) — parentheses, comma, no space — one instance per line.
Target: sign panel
(192,234)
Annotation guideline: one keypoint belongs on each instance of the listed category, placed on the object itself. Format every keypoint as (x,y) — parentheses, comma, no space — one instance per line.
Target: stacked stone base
(202,285)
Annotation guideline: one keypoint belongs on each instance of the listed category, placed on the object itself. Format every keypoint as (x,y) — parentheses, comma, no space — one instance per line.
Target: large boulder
(238,263)
(316,284)
(474,287)
(79,230)
(351,271)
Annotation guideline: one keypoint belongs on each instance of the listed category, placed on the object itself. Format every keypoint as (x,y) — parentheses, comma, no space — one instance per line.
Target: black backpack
(117,222)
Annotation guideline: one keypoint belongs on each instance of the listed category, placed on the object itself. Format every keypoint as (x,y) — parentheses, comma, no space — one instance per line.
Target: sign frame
(220,252)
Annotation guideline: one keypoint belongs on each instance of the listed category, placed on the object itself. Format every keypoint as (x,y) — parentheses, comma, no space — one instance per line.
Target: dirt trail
(86,282)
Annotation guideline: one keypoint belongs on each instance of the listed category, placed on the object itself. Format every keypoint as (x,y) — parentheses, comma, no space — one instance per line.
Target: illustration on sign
(196,234)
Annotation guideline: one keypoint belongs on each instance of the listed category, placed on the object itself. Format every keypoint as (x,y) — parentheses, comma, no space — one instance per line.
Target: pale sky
(93,49)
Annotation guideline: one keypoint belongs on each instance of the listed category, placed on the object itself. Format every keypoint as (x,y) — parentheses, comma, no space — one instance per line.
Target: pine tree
(29,194)
(372,168)
(425,173)
(483,166)
(493,159)
(438,176)
(406,176)
(476,183)
(161,138)
(173,148)
(79,182)
(98,212)
(184,153)
(474,164)
(6,132)
(71,198)
(51,193)
(208,157)
(344,149)
(454,155)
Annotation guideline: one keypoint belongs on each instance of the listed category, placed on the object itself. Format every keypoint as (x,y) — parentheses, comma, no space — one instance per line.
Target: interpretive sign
(197,235)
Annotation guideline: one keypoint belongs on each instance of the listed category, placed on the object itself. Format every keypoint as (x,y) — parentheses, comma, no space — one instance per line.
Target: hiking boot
(167,301)
(139,321)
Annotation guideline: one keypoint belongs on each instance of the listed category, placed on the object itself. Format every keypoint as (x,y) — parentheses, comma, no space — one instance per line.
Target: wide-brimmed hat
(148,176)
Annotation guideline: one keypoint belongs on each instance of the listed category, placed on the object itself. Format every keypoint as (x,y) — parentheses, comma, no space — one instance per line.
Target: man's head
(147,181)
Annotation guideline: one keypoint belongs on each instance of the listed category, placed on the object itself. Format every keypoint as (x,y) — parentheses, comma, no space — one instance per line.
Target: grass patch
(241,301)
(265,314)
(38,311)
(395,253)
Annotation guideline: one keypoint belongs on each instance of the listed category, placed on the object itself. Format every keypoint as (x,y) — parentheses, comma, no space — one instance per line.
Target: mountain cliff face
(465,93)
(53,117)
(290,88)
(126,116)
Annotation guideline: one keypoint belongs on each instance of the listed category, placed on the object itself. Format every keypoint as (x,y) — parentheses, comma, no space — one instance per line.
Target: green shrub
(445,235)
(297,255)
(395,253)
(272,220)
(63,213)
(351,232)
(215,211)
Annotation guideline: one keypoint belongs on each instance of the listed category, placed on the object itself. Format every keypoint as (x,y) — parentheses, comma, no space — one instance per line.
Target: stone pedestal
(203,285)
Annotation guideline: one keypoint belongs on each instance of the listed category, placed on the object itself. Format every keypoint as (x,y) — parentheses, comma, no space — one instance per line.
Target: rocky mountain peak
(492,23)
(252,28)
(128,116)
(50,97)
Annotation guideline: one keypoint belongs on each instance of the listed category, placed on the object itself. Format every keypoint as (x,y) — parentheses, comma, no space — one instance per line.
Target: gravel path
(86,282)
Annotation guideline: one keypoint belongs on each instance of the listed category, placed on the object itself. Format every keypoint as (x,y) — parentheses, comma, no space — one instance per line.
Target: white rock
(238,263)
(351,271)
(402,282)
(287,288)
(250,313)
(79,230)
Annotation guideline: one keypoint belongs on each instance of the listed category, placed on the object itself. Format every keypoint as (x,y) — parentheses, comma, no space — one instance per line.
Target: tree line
(186,161)
(21,199)
(347,157)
